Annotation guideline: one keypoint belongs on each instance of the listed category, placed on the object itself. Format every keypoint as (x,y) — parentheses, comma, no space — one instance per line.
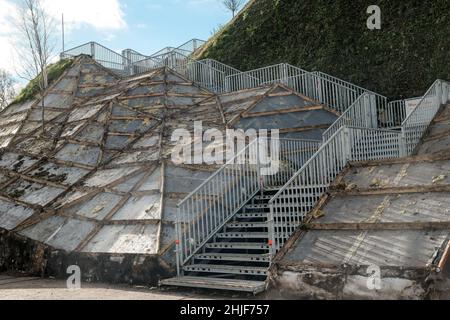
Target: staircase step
(256,225)
(257,206)
(234,257)
(224,269)
(284,203)
(247,225)
(254,287)
(274,188)
(238,245)
(269,197)
(259,215)
(250,215)
(242,235)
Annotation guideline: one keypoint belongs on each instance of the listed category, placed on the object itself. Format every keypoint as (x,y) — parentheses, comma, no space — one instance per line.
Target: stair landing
(254,287)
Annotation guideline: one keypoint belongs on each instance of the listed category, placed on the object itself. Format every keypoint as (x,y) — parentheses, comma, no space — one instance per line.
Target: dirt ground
(14,287)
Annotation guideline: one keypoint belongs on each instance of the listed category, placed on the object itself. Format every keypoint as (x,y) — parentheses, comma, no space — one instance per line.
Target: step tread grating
(217,268)
(237,245)
(234,257)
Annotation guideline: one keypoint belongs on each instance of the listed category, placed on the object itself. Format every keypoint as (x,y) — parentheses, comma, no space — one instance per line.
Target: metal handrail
(418,121)
(200,215)
(214,202)
(347,143)
(361,113)
(226,69)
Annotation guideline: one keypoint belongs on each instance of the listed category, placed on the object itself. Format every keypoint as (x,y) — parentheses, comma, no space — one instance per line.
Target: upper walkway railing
(218,77)
(103,55)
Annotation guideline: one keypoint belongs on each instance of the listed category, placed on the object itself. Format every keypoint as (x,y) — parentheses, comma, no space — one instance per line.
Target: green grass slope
(402,59)
(54,70)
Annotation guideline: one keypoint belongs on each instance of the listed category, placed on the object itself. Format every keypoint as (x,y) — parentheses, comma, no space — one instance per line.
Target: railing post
(373,111)
(444,95)
(258,165)
(403,152)
(445,89)
(347,144)
(194,45)
(178,246)
(93,50)
(271,233)
(439,93)
(367,107)
(227,84)
(284,77)
(318,84)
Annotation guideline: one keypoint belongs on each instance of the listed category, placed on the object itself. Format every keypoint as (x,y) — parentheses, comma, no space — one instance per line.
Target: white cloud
(105,16)
(6,29)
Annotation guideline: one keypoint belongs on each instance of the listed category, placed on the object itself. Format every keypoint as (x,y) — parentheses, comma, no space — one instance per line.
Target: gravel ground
(13,287)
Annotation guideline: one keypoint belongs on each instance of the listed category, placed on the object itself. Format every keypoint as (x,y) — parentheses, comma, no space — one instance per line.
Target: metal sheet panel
(136,239)
(381,248)
(417,207)
(98,207)
(59,232)
(33,193)
(11,215)
(15,161)
(140,208)
(59,174)
(105,177)
(400,175)
(79,153)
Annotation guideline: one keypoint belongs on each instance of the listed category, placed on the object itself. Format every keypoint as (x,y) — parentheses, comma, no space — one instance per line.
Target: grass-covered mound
(54,70)
(410,51)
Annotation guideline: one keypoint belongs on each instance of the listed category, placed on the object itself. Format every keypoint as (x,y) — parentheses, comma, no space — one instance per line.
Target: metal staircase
(238,257)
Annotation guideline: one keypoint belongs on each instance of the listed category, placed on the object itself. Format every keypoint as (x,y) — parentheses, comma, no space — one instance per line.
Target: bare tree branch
(7,92)
(233,5)
(34,46)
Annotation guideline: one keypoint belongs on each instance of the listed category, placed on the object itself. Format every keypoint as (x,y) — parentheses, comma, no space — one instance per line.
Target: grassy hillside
(402,59)
(54,70)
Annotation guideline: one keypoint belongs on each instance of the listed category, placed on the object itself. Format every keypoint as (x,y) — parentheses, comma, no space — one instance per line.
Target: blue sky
(154,24)
(143,25)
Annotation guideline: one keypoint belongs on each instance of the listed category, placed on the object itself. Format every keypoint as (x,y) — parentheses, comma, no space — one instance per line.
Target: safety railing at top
(191,46)
(226,69)
(186,48)
(280,73)
(209,74)
(210,206)
(133,56)
(289,207)
(324,88)
(106,57)
(218,77)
